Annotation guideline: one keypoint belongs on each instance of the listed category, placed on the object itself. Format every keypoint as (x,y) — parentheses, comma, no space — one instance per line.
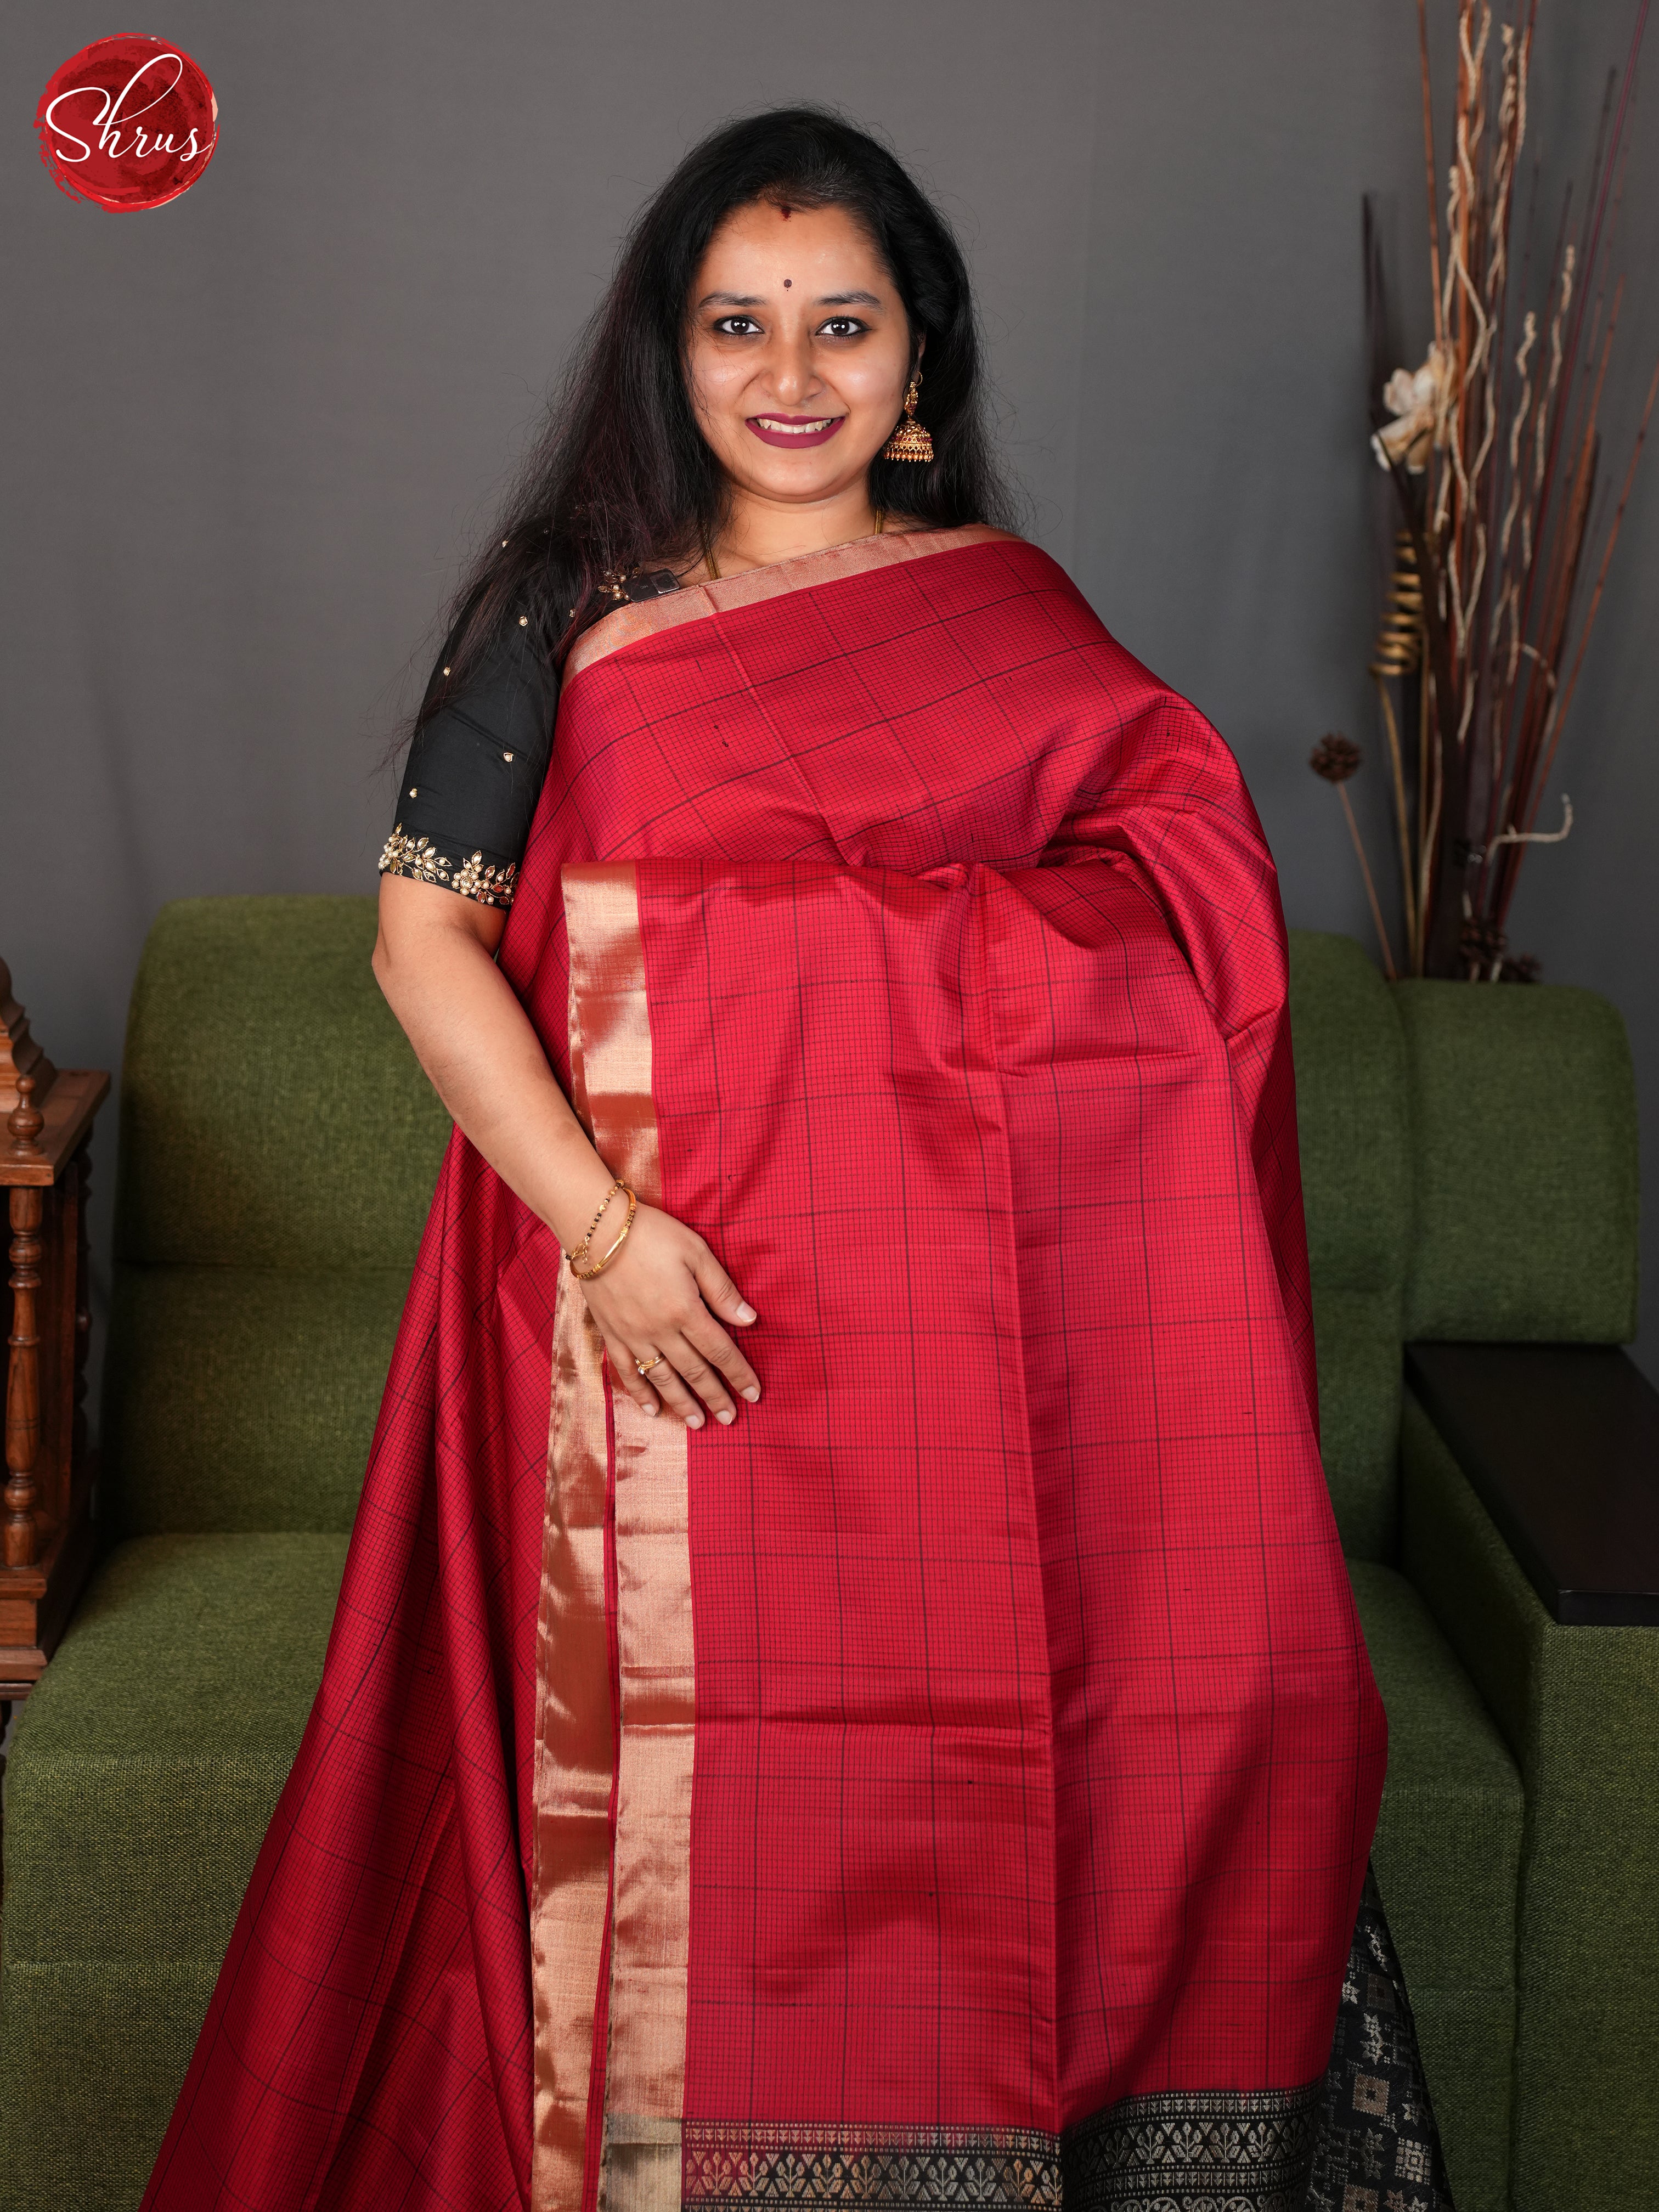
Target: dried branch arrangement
(1507,524)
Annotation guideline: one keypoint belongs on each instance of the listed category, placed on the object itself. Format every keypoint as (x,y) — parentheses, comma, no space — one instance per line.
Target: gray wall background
(250,434)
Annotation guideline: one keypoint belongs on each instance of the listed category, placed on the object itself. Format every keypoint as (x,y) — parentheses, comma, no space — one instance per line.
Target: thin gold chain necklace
(715,566)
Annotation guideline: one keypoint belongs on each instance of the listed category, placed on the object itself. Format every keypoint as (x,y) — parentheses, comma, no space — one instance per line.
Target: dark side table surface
(1561,1444)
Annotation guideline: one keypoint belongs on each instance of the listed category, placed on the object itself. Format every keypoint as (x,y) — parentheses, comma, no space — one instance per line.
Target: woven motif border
(1377,2148)
(740,2162)
(1197,2150)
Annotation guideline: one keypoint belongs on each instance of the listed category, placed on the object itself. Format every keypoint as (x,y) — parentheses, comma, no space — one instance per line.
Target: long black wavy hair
(621,475)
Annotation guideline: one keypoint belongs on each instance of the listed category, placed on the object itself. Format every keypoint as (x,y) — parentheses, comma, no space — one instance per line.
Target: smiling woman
(796,362)
(947,1775)
(645,465)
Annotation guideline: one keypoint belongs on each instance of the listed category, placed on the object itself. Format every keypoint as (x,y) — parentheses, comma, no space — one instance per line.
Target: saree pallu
(954,1781)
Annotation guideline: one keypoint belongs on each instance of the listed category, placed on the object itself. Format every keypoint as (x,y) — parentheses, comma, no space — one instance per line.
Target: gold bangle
(584,1274)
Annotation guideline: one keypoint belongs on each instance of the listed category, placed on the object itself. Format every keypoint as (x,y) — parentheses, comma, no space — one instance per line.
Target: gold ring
(644,1366)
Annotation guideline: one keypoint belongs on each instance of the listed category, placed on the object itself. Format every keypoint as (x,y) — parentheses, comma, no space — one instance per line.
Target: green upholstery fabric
(141,1777)
(1525,1220)
(95,2055)
(1358,1357)
(1447,1855)
(1352,1129)
(272,1114)
(1578,1707)
(279,1144)
(245,1399)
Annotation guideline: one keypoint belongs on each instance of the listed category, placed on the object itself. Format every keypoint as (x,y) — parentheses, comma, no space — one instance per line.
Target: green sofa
(1469,1157)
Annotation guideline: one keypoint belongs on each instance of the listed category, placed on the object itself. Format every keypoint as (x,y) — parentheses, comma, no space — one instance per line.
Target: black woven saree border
(1195,2150)
(1218,2150)
(737,2161)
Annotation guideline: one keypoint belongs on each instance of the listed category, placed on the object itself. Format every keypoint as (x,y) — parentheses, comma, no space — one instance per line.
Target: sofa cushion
(1352,1129)
(273,1113)
(1525,1219)
(242,1399)
(1357,1344)
(142,1778)
(1447,1856)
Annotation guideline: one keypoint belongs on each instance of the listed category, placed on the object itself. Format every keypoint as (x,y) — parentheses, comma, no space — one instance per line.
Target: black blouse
(476,769)
(475,772)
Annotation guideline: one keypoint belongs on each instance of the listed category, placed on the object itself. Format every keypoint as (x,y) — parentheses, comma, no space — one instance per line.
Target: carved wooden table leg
(50,1471)
(23,1367)
(80,1168)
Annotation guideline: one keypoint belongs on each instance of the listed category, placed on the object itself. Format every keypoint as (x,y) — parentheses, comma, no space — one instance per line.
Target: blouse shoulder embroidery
(474,878)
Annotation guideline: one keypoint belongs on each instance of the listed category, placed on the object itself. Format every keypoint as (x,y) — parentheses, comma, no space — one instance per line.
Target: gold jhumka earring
(910,442)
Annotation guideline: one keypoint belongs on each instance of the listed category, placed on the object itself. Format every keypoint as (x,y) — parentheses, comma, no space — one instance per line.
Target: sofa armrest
(1577,1706)
(1561,1444)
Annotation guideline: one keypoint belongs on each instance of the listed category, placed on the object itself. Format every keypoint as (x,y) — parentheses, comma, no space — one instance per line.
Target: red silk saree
(954,1781)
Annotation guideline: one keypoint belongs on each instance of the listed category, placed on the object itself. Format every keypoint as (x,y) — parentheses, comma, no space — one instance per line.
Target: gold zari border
(645,617)
(571,1868)
(649,1870)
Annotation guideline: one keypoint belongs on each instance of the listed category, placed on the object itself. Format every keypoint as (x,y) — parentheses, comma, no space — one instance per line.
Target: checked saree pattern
(953,1782)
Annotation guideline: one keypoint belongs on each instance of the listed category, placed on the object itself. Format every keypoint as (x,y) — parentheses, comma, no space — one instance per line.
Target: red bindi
(787,282)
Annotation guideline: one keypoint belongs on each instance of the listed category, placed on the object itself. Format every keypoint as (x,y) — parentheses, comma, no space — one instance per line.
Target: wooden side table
(45,1533)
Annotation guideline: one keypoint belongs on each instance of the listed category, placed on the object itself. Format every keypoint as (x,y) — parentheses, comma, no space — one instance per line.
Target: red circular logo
(128,122)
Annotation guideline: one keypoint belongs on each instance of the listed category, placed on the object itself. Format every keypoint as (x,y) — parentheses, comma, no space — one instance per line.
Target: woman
(949,1771)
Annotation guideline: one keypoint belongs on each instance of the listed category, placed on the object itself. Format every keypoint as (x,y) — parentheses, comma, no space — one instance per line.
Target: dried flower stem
(1402,823)
(1595,596)
(1389,968)
(1503,504)
(1428,164)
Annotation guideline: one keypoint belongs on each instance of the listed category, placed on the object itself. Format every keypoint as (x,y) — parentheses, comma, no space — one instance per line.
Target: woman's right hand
(666,1292)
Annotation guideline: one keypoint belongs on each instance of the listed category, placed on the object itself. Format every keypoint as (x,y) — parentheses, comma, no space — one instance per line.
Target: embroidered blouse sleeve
(474,774)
